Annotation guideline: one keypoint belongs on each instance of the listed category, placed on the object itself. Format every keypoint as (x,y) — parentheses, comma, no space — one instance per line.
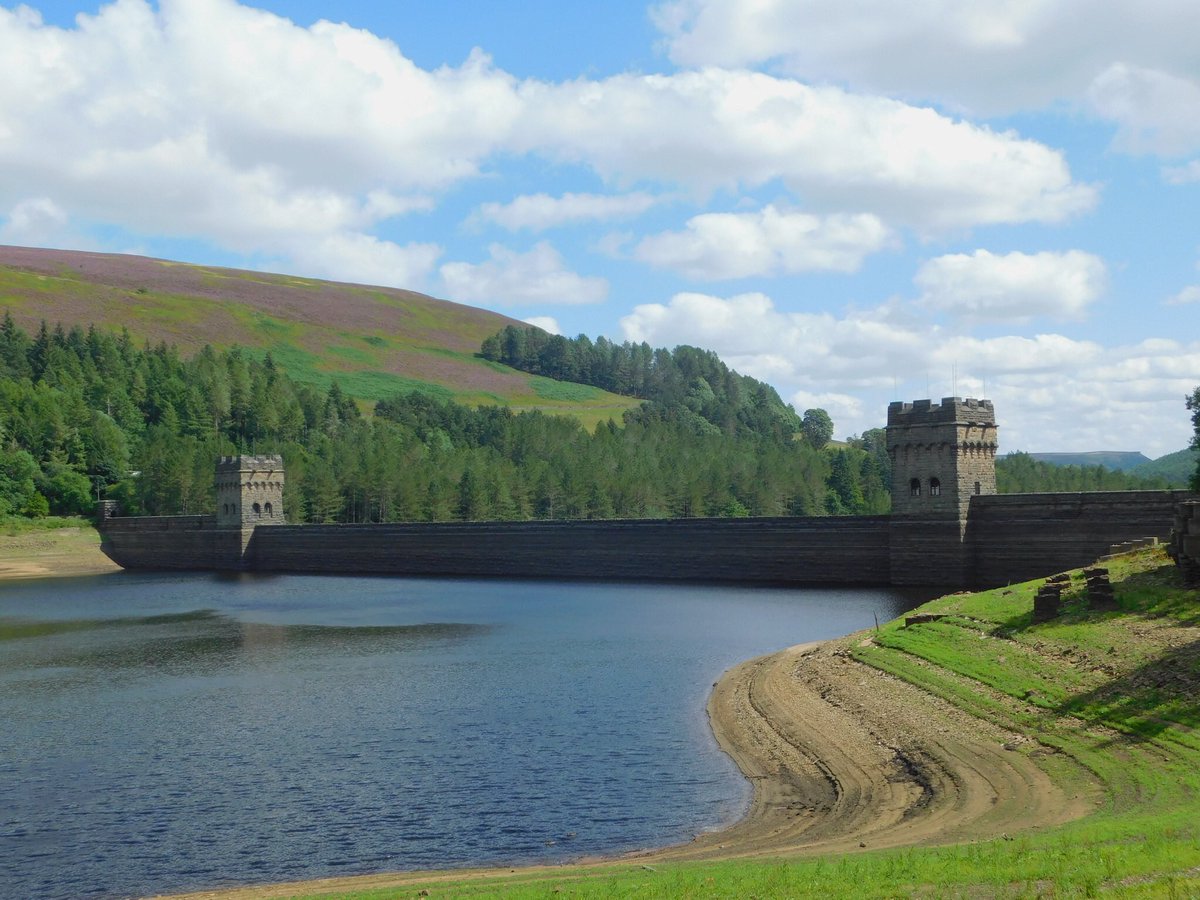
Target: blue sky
(855,202)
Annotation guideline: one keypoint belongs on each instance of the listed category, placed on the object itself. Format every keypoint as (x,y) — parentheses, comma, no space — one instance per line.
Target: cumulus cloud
(363,258)
(876,355)
(212,120)
(991,56)
(984,286)
(538,212)
(1190,294)
(546,323)
(1156,111)
(728,129)
(38,222)
(513,279)
(718,246)
(1183,174)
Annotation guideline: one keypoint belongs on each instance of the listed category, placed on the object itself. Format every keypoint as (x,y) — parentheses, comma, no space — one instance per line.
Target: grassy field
(1109,697)
(375,342)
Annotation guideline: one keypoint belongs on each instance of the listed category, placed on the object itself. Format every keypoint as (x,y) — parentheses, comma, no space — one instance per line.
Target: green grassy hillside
(374,341)
(1175,467)
(1117,460)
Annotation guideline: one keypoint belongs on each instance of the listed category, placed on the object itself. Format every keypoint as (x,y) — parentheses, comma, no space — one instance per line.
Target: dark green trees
(1193,404)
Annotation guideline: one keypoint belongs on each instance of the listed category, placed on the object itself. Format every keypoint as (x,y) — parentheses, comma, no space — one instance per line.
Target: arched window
(270,511)
(935,488)
(914,488)
(257,510)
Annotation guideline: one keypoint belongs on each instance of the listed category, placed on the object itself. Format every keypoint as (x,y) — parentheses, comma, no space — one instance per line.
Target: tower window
(935,488)
(977,487)
(270,512)
(914,488)
(257,510)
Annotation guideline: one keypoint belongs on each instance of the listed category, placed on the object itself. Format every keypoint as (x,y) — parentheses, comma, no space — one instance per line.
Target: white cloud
(38,222)
(537,212)
(1156,111)
(1011,287)
(877,355)
(714,128)
(365,259)
(212,120)
(1183,174)
(546,323)
(514,279)
(737,245)
(1190,294)
(992,56)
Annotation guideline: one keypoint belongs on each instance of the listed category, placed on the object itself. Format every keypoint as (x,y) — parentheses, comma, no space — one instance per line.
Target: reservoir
(166,732)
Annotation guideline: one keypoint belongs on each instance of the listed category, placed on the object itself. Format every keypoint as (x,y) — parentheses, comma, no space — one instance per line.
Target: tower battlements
(271,462)
(952,410)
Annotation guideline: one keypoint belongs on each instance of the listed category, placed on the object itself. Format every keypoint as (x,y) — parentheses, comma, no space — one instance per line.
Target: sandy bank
(61,552)
(841,757)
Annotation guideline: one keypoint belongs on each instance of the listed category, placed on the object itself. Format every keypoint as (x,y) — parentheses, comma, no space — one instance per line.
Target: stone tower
(942,455)
(249,491)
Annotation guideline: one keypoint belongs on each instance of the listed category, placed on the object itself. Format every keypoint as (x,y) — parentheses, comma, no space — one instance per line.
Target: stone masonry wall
(782,550)
(1016,537)
(169,542)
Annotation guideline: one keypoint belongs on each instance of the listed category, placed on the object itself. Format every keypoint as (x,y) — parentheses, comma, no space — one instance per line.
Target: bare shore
(60,552)
(841,756)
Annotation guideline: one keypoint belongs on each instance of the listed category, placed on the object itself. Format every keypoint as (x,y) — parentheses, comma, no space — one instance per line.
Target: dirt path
(61,552)
(841,757)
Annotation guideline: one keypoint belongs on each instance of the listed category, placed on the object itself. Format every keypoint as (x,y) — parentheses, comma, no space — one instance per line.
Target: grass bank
(1106,703)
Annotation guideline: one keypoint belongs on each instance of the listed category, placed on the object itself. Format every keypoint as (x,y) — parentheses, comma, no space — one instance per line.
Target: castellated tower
(942,455)
(249,491)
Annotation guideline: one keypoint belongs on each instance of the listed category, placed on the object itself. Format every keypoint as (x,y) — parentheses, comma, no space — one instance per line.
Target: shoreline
(841,758)
(55,553)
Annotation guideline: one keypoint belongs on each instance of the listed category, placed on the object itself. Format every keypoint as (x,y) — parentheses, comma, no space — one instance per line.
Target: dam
(948,528)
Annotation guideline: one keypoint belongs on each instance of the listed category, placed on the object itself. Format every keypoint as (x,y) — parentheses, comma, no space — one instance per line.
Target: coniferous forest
(88,413)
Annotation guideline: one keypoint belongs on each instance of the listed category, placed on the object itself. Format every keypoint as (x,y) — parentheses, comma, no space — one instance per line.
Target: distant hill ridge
(1175,467)
(1117,460)
(374,341)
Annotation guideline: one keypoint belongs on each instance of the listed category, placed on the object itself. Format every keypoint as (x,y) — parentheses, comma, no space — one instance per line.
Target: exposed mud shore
(841,757)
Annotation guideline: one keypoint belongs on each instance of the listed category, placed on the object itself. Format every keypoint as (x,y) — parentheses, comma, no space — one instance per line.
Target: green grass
(1109,697)
(18,525)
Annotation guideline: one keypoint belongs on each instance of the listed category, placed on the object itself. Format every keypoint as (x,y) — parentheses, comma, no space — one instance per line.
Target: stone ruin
(1184,547)
(1099,589)
(1047,604)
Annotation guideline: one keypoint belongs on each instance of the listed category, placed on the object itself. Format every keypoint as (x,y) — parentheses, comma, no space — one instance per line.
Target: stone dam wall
(1008,538)
(786,550)
(1016,537)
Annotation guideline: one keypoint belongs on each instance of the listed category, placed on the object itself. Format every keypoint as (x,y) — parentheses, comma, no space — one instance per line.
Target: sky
(857,202)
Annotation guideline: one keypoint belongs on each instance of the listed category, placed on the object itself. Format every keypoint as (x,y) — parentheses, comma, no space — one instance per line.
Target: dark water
(167,732)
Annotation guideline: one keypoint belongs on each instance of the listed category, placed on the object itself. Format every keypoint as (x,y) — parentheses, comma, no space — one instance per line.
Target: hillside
(1175,467)
(1117,460)
(374,341)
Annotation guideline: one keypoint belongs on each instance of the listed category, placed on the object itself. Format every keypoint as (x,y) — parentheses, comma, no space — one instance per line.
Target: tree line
(87,413)
(687,384)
